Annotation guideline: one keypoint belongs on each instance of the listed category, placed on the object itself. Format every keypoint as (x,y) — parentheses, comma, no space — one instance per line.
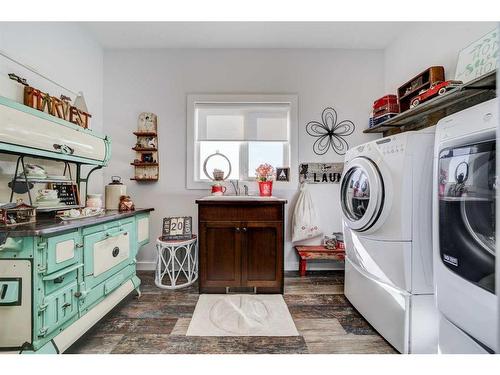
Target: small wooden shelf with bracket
(142,149)
(146,163)
(143,179)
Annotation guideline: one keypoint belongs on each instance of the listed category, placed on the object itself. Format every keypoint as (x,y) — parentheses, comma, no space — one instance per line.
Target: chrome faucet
(236,187)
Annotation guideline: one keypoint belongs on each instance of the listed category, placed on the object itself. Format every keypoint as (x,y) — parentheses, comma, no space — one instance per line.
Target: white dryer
(464,229)
(387,210)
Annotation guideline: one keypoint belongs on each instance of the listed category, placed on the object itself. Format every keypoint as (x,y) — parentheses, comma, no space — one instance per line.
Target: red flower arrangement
(265,174)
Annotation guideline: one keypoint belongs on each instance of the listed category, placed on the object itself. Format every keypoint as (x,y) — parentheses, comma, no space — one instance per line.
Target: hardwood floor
(158,321)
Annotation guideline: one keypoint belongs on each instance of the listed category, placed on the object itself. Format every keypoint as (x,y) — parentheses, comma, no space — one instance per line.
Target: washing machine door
(467,184)
(362,194)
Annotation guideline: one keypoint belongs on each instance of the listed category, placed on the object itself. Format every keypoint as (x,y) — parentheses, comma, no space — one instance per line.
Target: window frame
(192,151)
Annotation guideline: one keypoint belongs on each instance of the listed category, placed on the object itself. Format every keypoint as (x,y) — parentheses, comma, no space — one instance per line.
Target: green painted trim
(136,281)
(63,272)
(107,158)
(17,149)
(23,108)
(48,348)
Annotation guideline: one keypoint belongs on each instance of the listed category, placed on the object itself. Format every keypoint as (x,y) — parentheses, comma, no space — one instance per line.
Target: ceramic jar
(114,190)
(94,201)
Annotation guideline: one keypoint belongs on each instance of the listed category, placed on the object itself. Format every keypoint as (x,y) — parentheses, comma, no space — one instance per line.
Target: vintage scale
(217,175)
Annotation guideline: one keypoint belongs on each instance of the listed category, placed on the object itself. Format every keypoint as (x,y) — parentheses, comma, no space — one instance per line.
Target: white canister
(113,191)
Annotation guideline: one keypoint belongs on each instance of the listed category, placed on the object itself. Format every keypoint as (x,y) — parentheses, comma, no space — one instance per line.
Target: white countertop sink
(239,198)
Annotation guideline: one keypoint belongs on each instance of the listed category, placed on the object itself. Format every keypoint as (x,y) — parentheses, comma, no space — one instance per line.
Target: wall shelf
(146,161)
(430,112)
(142,149)
(46,180)
(143,179)
(144,164)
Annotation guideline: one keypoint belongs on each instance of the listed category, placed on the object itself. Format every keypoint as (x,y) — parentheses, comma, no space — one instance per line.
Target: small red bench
(306,253)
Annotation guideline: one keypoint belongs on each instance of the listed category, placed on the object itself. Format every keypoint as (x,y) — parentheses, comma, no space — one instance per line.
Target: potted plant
(265,175)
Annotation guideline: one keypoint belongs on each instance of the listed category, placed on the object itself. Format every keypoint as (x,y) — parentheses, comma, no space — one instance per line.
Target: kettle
(113,191)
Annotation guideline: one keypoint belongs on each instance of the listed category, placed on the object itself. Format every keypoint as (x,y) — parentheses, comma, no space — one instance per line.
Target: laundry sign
(320,173)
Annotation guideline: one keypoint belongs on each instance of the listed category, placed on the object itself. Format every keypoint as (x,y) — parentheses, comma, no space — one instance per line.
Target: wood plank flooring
(158,321)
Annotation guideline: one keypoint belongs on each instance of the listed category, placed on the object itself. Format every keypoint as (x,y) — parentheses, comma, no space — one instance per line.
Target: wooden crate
(422,81)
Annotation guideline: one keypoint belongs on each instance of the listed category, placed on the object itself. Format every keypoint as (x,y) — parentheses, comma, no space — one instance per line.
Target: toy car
(437,88)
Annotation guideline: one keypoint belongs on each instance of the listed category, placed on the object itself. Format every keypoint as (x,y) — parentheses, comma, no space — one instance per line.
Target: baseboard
(334,266)
(146,266)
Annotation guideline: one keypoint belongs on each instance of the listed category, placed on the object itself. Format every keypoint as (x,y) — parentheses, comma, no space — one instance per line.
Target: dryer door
(362,194)
(467,185)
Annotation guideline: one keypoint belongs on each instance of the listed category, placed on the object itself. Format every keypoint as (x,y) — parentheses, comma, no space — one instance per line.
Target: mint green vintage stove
(57,279)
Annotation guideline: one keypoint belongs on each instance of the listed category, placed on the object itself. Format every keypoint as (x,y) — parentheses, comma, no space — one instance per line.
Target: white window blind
(242,122)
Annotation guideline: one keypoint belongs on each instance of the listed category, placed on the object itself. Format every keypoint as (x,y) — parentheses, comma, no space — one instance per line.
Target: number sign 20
(177,228)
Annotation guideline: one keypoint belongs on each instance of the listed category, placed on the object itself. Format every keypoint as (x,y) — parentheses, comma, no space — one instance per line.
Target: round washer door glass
(361,194)
(357,194)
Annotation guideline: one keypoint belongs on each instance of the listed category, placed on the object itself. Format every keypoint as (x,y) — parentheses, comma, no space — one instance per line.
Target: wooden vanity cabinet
(241,246)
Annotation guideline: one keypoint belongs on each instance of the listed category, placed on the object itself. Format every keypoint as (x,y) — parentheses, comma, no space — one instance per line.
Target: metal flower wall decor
(330,134)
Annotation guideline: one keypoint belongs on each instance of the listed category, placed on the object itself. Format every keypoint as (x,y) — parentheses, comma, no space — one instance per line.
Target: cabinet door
(262,256)
(220,254)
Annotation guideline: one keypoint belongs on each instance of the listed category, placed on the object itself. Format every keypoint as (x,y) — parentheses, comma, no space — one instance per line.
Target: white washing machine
(464,229)
(387,219)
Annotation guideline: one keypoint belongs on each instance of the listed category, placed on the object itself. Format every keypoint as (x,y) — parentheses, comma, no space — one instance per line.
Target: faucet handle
(245,187)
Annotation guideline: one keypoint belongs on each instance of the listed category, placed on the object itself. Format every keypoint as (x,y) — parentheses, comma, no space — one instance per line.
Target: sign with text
(320,173)
(479,58)
(177,228)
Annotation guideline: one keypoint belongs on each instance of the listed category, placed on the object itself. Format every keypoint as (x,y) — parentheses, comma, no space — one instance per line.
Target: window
(248,130)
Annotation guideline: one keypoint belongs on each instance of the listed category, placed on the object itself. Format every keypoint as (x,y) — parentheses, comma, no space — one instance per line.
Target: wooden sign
(177,228)
(320,173)
(479,58)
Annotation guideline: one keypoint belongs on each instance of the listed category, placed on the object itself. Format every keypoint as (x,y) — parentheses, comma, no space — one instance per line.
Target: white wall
(67,54)
(159,80)
(427,44)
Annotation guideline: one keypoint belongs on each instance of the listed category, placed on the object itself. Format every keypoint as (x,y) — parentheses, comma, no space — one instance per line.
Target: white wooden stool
(176,257)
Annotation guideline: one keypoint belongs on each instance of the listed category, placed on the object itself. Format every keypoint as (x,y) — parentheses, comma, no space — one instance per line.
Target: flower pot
(266,188)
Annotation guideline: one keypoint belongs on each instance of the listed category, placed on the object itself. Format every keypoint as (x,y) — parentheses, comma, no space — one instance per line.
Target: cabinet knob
(244,229)
(237,229)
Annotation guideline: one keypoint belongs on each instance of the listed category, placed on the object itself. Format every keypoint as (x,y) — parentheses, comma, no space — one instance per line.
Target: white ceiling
(350,35)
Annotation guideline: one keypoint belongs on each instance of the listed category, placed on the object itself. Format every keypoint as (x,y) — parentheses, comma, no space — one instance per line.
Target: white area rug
(241,315)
